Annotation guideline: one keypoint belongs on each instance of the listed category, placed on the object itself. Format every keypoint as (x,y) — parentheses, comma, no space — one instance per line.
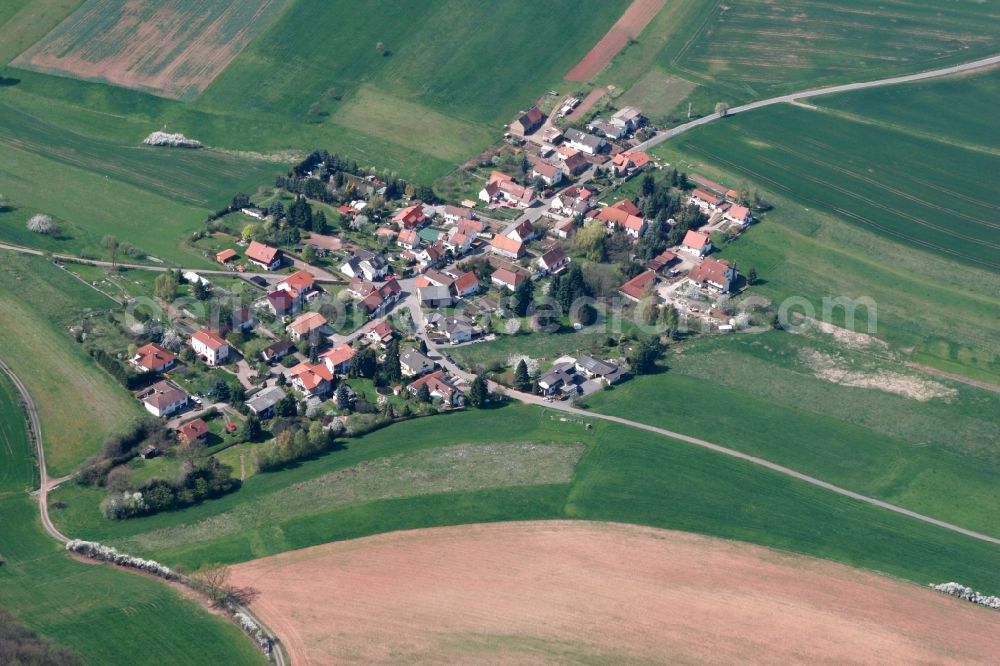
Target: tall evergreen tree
(479,393)
(523,297)
(393,370)
(522,381)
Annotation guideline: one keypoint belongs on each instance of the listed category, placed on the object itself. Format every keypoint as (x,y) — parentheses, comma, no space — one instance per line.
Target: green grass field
(625,475)
(768,395)
(79,404)
(105,615)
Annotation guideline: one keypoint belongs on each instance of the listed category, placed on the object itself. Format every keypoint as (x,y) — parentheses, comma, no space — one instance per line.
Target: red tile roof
(193,430)
(508,277)
(338,355)
(382,329)
(695,240)
(209,338)
(262,253)
(299,281)
(466,281)
(153,357)
(225,255)
(627,206)
(510,245)
(310,375)
(306,322)
(636,287)
(711,270)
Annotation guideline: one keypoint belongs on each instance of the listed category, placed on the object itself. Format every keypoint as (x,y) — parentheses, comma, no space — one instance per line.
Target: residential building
(435,297)
(466,284)
(164,398)
(277,351)
(619,217)
(413,363)
(452,214)
(585,143)
(411,217)
(375,301)
(603,371)
(549,174)
(440,386)
(257,213)
(193,431)
(523,232)
(503,277)
(563,229)
(339,359)
(528,122)
(242,319)
(559,379)
(306,325)
(628,118)
(312,380)
(635,288)
(502,188)
(438,279)
(300,285)
(553,261)
(279,303)
(262,403)
(380,333)
(705,200)
(268,258)
(739,214)
(714,274)
(628,162)
(576,164)
(153,358)
(366,264)
(506,247)
(210,347)
(408,239)
(696,243)
(456,329)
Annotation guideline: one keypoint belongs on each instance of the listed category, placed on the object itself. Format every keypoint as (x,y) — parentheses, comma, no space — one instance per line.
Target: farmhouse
(739,214)
(529,121)
(523,232)
(503,277)
(619,216)
(268,258)
(338,360)
(365,264)
(305,325)
(311,380)
(466,284)
(193,431)
(164,398)
(714,274)
(277,350)
(705,200)
(413,363)
(153,358)
(549,174)
(440,386)
(210,346)
(696,243)
(554,260)
(585,143)
(506,247)
(635,288)
(225,256)
(262,403)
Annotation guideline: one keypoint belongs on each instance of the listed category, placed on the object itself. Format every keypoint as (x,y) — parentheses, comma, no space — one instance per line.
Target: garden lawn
(625,475)
(79,404)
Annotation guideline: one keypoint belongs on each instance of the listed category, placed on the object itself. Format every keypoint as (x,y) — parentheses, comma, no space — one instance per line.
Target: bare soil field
(171,48)
(564,591)
(636,17)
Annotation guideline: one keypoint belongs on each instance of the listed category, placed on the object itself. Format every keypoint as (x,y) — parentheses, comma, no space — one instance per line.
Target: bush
(42,224)
(206,480)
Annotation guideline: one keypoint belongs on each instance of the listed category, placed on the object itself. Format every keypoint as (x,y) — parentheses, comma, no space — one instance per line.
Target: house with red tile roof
(554,260)
(523,232)
(312,380)
(193,431)
(210,346)
(440,386)
(338,360)
(739,214)
(549,174)
(618,217)
(411,217)
(301,285)
(629,162)
(635,288)
(506,247)
(380,333)
(714,274)
(662,261)
(529,121)
(279,303)
(696,243)
(705,200)
(503,277)
(409,239)
(153,358)
(225,256)
(306,325)
(466,284)
(267,257)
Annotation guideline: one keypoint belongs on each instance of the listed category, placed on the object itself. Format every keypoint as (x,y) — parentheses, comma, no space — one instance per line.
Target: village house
(563,229)
(501,187)
(636,288)
(662,261)
(739,215)
(153,358)
(523,232)
(552,134)
(506,247)
(528,122)
(301,285)
(628,118)
(595,369)
(627,163)
(696,243)
(312,380)
(279,303)
(455,329)
(380,333)
(411,217)
(256,213)
(408,239)
(559,379)
(438,279)
(434,297)
(503,277)
(549,174)
(339,359)
(608,129)
(707,201)
(413,363)
(576,164)
(242,319)
(375,301)
(164,398)
(268,258)
(440,386)
(367,265)
(452,214)
(714,274)
(262,403)
(583,142)
(457,242)
(624,216)
(210,347)
(226,256)
(306,325)
(193,431)
(277,351)
(431,256)
(553,261)
(386,234)
(466,284)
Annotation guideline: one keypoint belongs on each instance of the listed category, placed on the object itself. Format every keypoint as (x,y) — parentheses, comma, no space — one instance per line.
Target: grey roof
(593,366)
(416,361)
(163,394)
(577,136)
(455,324)
(266,399)
(558,374)
(433,293)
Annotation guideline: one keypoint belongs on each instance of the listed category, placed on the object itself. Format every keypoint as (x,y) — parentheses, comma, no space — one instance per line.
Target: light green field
(78,403)
(104,615)
(625,475)
(24,22)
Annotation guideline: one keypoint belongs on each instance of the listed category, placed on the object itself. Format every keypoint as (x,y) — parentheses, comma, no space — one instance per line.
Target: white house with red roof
(635,288)
(714,274)
(696,243)
(506,247)
(301,285)
(549,174)
(267,257)
(705,200)
(312,380)
(466,284)
(408,239)
(739,214)
(305,325)
(338,360)
(210,346)
(411,217)
(380,333)
(153,358)
(553,261)
(440,386)
(503,277)
(621,216)
(523,232)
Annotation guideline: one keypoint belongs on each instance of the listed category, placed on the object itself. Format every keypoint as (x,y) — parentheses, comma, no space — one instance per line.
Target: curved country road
(47,484)
(660,137)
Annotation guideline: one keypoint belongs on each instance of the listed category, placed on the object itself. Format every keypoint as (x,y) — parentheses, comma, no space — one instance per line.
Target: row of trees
(293,444)
(201,480)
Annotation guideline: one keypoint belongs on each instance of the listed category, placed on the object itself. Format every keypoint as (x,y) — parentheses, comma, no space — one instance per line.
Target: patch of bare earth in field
(636,17)
(837,371)
(565,591)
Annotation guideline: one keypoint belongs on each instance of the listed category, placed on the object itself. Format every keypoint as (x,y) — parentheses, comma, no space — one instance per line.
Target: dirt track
(636,17)
(576,591)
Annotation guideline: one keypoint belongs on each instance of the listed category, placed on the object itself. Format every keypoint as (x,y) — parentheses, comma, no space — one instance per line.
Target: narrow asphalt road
(660,137)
